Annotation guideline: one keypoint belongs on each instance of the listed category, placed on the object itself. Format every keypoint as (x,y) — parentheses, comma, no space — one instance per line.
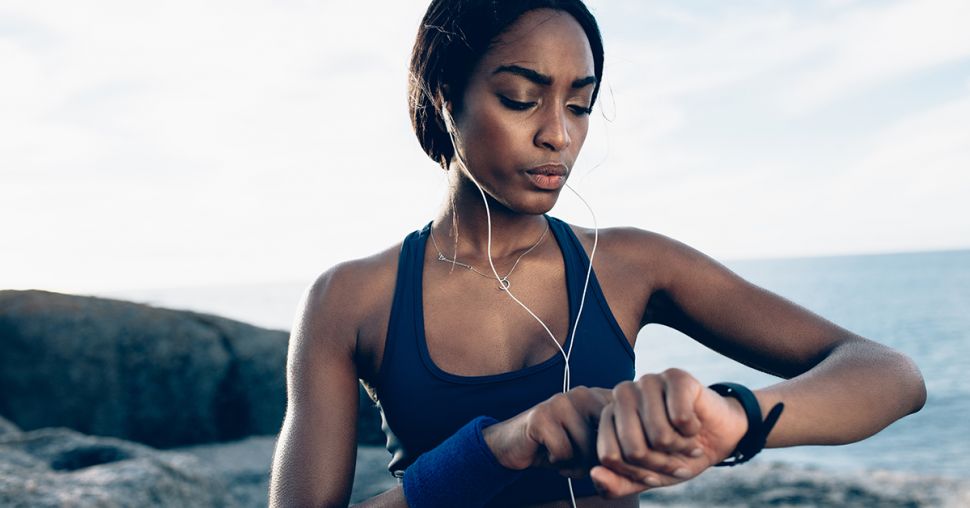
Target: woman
(468,331)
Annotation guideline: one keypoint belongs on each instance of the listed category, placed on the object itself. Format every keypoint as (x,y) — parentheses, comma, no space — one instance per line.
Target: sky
(167,144)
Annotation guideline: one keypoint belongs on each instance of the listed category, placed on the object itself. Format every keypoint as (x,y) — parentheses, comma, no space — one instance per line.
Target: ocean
(918,303)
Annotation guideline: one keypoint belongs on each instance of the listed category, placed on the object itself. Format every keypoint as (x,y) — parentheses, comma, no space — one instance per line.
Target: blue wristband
(461,471)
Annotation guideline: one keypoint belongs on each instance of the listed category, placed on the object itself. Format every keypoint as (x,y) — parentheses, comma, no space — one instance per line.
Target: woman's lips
(547,182)
(548,176)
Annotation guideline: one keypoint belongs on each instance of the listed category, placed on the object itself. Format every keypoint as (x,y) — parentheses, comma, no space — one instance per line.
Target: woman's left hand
(663,429)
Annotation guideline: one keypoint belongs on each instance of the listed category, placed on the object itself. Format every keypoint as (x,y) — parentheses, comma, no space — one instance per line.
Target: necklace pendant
(504,284)
(441,257)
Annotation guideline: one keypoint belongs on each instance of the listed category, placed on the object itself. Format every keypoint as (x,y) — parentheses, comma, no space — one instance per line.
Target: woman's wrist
(461,471)
(758,424)
(737,415)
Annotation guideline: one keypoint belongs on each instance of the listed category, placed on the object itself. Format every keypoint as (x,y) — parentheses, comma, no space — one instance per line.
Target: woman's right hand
(558,433)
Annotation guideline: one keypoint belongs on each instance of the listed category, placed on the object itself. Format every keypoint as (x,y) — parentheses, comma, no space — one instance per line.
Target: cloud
(226,141)
(874,44)
(199,138)
(921,163)
(820,56)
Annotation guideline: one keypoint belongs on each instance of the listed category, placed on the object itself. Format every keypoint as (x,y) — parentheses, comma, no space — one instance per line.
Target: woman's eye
(581,110)
(515,105)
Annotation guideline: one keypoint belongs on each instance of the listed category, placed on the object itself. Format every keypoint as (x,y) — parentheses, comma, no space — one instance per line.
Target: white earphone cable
(566,383)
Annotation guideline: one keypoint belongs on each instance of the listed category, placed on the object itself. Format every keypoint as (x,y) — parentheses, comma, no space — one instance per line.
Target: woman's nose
(553,133)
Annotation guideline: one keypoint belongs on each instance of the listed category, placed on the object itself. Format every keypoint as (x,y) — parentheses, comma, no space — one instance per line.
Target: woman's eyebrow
(583,82)
(539,78)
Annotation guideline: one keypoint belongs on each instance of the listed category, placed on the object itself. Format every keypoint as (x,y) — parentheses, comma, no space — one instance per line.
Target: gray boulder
(60,467)
(156,376)
(113,368)
(245,466)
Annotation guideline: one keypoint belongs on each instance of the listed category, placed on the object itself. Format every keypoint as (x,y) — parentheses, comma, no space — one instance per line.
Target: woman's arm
(316,450)
(841,387)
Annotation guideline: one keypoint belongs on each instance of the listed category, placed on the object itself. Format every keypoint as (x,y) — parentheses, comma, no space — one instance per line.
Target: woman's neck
(463,214)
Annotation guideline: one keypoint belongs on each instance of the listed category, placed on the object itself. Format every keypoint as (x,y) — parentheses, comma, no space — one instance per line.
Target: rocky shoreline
(114,404)
(48,468)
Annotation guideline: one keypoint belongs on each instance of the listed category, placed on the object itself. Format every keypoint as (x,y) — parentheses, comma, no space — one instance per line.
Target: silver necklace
(504,282)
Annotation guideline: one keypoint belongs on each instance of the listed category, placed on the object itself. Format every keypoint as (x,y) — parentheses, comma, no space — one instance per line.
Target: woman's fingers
(563,425)
(656,421)
(546,429)
(608,448)
(612,485)
(681,391)
(643,422)
(659,431)
(629,428)
(634,460)
(615,477)
(574,418)
(590,401)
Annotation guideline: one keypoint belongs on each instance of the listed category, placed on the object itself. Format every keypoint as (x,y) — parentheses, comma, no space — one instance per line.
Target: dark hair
(452,38)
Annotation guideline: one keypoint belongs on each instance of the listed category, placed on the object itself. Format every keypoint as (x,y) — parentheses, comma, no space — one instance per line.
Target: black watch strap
(755,438)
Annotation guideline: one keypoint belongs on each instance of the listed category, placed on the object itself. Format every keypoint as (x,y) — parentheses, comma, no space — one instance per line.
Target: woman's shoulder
(628,243)
(347,306)
(632,251)
(363,281)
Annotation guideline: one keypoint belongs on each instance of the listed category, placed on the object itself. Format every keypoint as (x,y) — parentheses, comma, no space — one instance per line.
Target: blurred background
(217,156)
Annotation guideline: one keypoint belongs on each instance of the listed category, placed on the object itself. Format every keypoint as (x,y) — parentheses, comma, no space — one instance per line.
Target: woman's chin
(537,205)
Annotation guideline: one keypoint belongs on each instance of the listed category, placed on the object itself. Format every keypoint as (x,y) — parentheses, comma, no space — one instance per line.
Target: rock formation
(160,377)
(61,467)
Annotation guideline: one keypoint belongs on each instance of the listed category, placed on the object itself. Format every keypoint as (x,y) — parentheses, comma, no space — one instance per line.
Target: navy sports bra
(422,405)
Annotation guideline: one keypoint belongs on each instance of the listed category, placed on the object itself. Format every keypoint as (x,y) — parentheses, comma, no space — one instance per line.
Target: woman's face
(525,112)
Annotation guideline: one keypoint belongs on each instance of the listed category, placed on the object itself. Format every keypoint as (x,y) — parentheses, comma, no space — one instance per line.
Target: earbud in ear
(446,115)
